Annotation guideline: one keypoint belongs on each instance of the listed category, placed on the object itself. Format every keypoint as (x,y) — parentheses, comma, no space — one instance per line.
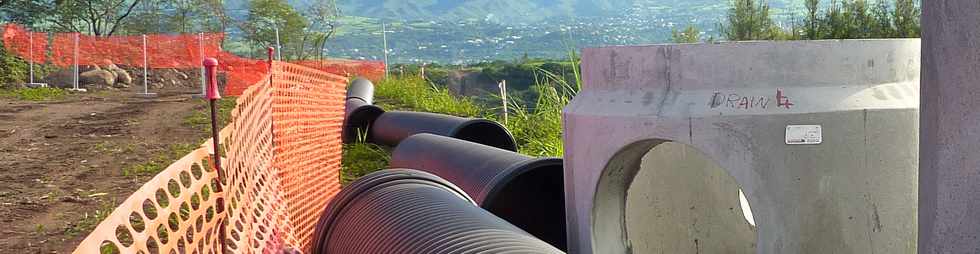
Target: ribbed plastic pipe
(362,89)
(392,127)
(527,192)
(410,211)
(359,116)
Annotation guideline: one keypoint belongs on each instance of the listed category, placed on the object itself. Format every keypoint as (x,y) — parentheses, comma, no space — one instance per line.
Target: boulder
(97,79)
(123,79)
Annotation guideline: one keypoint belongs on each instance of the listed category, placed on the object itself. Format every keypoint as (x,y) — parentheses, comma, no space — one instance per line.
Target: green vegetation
(691,34)
(844,19)
(88,221)
(12,69)
(535,123)
(414,93)
(159,161)
(201,117)
(362,158)
(33,94)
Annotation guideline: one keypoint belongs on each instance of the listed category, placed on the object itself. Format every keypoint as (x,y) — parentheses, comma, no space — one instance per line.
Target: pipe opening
(486,132)
(680,201)
(534,201)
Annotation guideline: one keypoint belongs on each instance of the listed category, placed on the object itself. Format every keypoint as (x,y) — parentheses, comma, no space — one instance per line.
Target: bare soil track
(62,162)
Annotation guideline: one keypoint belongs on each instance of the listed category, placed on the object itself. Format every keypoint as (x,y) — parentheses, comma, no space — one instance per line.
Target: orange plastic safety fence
(175,212)
(308,112)
(164,51)
(282,163)
(372,70)
(241,72)
(30,46)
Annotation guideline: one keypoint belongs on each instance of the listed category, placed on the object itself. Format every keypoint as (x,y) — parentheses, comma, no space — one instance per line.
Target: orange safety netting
(372,70)
(282,165)
(30,46)
(164,51)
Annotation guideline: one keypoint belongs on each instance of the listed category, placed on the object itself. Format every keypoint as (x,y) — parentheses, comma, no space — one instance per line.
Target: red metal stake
(211,69)
(272,51)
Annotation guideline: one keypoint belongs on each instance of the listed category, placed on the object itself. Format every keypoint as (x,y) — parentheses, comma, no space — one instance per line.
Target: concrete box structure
(949,179)
(653,126)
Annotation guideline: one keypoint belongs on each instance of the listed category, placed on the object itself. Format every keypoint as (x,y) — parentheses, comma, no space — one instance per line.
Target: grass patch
(360,159)
(413,93)
(90,220)
(160,161)
(34,94)
(201,117)
(538,129)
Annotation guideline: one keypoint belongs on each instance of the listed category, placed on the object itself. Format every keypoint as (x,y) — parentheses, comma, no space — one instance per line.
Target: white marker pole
(75,88)
(146,68)
(31,49)
(146,71)
(503,97)
(204,85)
(384,38)
(278,46)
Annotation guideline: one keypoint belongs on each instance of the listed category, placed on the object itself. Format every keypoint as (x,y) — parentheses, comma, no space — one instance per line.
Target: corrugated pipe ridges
(392,127)
(527,192)
(410,211)
(359,111)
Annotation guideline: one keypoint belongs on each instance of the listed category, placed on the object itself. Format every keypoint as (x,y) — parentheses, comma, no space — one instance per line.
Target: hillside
(516,11)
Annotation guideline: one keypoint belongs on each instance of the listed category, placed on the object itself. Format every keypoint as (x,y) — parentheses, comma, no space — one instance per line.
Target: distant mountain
(506,11)
(514,11)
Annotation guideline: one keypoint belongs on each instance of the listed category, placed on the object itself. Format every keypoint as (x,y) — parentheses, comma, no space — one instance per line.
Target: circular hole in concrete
(680,201)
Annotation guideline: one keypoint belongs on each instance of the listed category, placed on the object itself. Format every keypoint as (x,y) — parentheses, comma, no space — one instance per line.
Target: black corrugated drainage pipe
(362,89)
(392,127)
(358,118)
(527,192)
(359,110)
(410,211)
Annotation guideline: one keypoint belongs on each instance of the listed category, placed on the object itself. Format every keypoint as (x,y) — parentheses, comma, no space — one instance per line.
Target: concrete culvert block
(525,191)
(392,127)
(409,211)
(820,137)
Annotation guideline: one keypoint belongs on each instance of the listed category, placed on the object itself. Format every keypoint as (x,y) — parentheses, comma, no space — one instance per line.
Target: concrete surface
(732,102)
(949,211)
(706,218)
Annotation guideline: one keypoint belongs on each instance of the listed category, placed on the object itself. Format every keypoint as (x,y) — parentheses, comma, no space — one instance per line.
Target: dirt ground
(62,162)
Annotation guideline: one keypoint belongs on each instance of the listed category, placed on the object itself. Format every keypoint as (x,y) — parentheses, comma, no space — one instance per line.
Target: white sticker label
(804,135)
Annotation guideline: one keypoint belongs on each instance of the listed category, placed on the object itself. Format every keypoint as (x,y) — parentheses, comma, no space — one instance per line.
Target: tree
(323,16)
(24,12)
(691,34)
(748,20)
(882,20)
(96,17)
(906,19)
(265,16)
(811,23)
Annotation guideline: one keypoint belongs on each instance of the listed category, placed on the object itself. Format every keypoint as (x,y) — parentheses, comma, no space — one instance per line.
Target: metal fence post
(146,71)
(76,74)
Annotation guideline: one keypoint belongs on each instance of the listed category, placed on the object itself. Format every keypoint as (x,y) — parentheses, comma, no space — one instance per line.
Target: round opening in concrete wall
(680,201)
